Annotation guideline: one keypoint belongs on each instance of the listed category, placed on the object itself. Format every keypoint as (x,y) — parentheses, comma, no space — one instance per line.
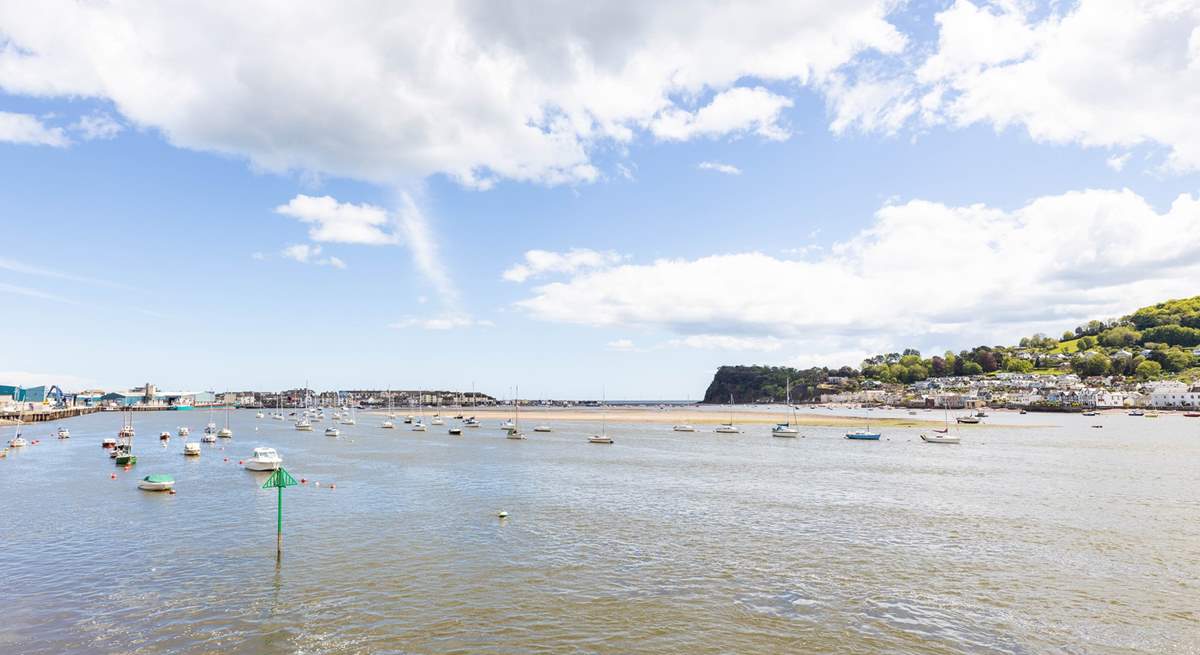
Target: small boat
(157,483)
(728,428)
(263,459)
(208,438)
(969,420)
(863,435)
(225,432)
(1097,426)
(408,419)
(183,431)
(437,420)
(64,433)
(123,455)
(1091,413)
(17,442)
(683,428)
(108,442)
(211,428)
(940,438)
(512,426)
(1151,414)
(456,431)
(260,415)
(1192,414)
(507,425)
(1024,412)
(303,425)
(981,414)
(164,436)
(191,449)
(600,438)
(541,428)
(471,422)
(1137,412)
(332,432)
(388,425)
(787,430)
(418,427)
(348,419)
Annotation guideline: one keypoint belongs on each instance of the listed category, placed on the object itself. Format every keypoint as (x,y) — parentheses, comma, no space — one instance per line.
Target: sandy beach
(672,415)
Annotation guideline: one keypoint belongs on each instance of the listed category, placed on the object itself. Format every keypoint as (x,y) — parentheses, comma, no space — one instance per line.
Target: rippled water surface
(1061,538)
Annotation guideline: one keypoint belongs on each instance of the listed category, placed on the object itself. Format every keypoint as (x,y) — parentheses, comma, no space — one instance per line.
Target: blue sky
(931,185)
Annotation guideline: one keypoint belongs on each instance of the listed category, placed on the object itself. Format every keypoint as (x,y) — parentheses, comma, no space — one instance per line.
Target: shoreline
(669,416)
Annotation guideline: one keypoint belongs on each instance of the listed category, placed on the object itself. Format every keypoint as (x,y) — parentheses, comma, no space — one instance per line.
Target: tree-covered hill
(750,384)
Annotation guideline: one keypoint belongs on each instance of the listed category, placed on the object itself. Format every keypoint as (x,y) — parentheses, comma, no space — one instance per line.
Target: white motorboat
(600,438)
(507,425)
(191,449)
(419,427)
(387,425)
(456,431)
(64,433)
(940,438)
(263,459)
(17,441)
(437,420)
(541,428)
(332,432)
(303,425)
(470,422)
(157,483)
(684,428)
(183,431)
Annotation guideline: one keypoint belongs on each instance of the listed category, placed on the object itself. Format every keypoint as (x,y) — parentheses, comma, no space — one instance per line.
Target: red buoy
(112,476)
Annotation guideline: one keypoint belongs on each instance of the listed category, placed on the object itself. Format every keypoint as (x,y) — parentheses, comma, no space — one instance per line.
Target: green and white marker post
(279,479)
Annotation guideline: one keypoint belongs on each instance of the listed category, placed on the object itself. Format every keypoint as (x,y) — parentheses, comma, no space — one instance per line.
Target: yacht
(183,431)
(541,428)
(264,459)
(387,425)
(157,483)
(787,429)
(603,436)
(513,426)
(437,420)
(303,425)
(348,419)
(332,431)
(470,422)
(729,428)
(683,427)
(1137,412)
(164,436)
(969,420)
(456,431)
(940,438)
(260,415)
(600,438)
(18,441)
(191,449)
(863,435)
(208,437)
(64,433)
(507,424)
(418,427)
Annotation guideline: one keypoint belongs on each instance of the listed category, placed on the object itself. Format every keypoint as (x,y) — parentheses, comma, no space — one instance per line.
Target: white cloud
(97,126)
(340,222)
(1097,73)
(425,251)
(440,323)
(310,254)
(29,130)
(477,90)
(257,256)
(726,342)
(542,262)
(921,273)
(1117,162)
(737,110)
(620,345)
(728,169)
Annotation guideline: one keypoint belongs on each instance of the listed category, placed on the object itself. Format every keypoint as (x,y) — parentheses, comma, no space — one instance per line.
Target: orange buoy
(112,476)
(227,459)
(303,480)
(333,486)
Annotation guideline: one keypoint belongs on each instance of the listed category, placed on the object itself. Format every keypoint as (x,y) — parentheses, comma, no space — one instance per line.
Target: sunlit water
(1023,539)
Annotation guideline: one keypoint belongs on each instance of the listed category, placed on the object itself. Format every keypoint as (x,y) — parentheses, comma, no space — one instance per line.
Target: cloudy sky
(572,198)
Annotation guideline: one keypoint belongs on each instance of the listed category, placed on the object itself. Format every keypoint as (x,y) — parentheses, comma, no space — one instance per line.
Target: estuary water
(1039,534)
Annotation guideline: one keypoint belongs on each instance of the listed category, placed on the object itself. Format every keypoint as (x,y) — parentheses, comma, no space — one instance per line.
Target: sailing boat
(603,436)
(864,434)
(211,428)
(18,441)
(514,432)
(387,423)
(437,416)
(729,428)
(419,423)
(943,435)
(225,432)
(471,421)
(123,452)
(787,429)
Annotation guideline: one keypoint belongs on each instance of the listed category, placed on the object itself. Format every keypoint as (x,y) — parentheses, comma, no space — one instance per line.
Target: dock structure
(42,415)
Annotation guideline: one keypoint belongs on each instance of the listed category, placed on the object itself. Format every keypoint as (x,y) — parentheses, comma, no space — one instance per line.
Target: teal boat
(157,483)
(863,435)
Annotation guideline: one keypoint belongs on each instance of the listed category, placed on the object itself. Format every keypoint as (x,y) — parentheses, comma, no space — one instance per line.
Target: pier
(42,415)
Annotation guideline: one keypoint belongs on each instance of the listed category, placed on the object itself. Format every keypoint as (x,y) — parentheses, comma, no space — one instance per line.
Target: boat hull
(254,465)
(156,486)
(863,436)
(939,439)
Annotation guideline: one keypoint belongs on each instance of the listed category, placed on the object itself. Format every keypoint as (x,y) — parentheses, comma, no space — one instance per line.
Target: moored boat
(64,433)
(183,431)
(969,420)
(157,483)
(456,431)
(684,428)
(191,449)
(263,459)
(863,435)
(541,428)
(164,436)
(940,438)
(332,432)
(787,430)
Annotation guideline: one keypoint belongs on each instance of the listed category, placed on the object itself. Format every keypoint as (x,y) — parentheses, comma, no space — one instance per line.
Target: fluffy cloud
(340,222)
(728,169)
(310,254)
(477,90)
(29,130)
(97,126)
(621,345)
(726,342)
(542,262)
(921,271)
(1105,73)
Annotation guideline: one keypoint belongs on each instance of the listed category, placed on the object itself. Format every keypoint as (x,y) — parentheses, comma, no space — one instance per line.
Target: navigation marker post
(279,479)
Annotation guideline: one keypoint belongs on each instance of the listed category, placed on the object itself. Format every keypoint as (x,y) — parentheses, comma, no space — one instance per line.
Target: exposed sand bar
(673,416)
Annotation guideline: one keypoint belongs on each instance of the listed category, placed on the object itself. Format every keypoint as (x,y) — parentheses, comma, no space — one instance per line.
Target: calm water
(1022,540)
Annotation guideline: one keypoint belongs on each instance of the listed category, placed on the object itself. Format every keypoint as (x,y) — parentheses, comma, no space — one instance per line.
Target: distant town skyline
(580,201)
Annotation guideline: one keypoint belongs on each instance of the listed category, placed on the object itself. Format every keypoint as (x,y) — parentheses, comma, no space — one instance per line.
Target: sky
(579,200)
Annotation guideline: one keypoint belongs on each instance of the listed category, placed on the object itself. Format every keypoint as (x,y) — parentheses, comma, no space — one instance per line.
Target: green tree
(1148,370)
(1018,365)
(971,368)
